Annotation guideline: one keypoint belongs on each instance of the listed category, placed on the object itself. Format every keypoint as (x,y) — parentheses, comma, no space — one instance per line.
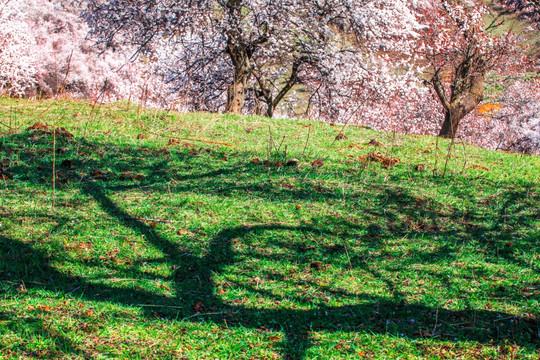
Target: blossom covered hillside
(368,68)
(45,52)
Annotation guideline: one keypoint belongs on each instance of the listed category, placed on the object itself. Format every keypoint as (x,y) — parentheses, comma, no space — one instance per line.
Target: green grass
(201,252)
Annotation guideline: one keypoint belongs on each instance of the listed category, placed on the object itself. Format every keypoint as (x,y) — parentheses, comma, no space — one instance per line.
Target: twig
(55,71)
(279,149)
(464,156)
(435,169)
(160,306)
(149,219)
(436,321)
(348,258)
(448,154)
(63,87)
(190,139)
(307,140)
(54,167)
(118,280)
(202,314)
(9,127)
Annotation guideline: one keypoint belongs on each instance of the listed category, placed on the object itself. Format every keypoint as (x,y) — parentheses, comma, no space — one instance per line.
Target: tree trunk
(463,102)
(450,125)
(236,92)
(270,109)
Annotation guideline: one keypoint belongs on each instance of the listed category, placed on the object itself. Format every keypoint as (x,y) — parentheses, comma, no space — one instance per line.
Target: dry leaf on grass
(374,142)
(383,160)
(479,167)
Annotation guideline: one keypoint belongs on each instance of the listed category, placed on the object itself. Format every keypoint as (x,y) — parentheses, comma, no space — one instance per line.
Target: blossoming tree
(220,50)
(461,46)
(17,67)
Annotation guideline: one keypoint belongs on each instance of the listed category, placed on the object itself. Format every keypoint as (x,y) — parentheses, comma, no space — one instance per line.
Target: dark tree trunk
(450,124)
(236,92)
(464,100)
(270,110)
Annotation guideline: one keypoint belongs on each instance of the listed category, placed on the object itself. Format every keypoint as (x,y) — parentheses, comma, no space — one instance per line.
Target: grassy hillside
(186,236)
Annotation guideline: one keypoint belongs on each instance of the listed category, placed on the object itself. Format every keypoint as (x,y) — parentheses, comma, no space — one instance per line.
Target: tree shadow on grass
(195,276)
(59,345)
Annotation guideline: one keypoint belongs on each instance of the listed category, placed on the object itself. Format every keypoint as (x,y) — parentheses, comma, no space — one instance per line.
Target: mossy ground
(212,248)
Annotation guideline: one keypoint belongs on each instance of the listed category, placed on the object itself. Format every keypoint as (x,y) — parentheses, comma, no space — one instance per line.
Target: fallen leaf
(38,126)
(198,306)
(317,163)
(183,232)
(374,142)
(383,160)
(479,167)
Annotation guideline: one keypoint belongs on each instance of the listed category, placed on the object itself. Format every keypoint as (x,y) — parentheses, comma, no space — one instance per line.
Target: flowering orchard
(238,54)
(44,52)
(410,66)
(17,67)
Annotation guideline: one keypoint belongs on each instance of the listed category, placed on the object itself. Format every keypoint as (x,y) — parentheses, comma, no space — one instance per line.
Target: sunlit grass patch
(190,249)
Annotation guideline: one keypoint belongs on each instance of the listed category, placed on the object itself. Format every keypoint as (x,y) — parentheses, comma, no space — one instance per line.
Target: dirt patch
(41,130)
(68,164)
(292,162)
(174,142)
(98,174)
(63,133)
(4,165)
(38,126)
